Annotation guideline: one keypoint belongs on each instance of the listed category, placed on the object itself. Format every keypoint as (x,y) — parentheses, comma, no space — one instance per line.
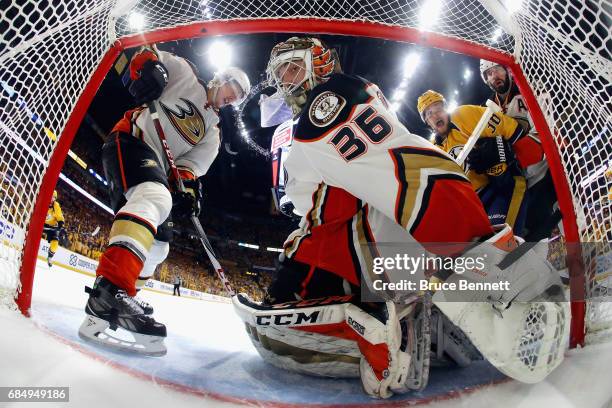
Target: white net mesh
(50,50)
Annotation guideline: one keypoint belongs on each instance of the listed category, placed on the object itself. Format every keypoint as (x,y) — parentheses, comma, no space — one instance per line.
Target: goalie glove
(188,202)
(151,80)
(491,155)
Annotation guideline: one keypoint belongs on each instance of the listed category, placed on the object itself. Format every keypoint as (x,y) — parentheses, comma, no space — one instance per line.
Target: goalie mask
(297,65)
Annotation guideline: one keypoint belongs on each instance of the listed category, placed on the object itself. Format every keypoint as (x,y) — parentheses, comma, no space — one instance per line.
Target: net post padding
(314,26)
(35,229)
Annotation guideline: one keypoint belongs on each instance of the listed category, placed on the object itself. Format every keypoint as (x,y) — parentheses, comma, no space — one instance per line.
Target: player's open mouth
(440,123)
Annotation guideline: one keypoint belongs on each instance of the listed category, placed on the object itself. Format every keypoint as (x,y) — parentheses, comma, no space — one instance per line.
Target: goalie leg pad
(395,346)
(308,337)
(526,341)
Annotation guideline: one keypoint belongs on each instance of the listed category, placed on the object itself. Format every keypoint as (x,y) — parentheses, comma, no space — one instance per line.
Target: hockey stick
(492,108)
(180,187)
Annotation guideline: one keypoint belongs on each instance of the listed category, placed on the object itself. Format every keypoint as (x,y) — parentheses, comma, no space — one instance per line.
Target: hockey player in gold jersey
(492,167)
(54,224)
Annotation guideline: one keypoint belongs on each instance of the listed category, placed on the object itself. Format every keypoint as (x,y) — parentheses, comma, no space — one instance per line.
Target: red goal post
(89,37)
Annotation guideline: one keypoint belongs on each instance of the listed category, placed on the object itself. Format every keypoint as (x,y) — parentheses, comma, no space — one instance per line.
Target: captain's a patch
(325,108)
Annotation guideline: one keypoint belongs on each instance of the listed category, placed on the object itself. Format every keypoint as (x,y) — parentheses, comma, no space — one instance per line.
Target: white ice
(30,356)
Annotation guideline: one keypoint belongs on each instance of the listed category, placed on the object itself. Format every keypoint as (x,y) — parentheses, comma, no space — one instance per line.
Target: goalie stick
(492,108)
(180,187)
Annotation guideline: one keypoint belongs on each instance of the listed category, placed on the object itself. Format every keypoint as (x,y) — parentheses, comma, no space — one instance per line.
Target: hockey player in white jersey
(347,141)
(531,154)
(137,170)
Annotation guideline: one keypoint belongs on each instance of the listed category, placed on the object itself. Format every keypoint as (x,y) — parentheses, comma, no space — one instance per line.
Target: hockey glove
(60,228)
(151,82)
(188,202)
(491,155)
(284,203)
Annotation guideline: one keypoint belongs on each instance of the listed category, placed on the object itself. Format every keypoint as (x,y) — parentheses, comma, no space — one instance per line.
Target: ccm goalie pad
(523,330)
(387,346)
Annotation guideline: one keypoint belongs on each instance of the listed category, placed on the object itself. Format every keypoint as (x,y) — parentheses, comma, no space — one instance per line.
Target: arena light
(252,246)
(271,249)
(220,55)
(496,34)
(136,21)
(601,171)
(411,63)
(467,74)
(398,94)
(429,13)
(205,9)
(395,106)
(513,5)
(452,105)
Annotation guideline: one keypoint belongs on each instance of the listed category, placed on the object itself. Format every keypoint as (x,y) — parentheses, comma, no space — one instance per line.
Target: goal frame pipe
(312,26)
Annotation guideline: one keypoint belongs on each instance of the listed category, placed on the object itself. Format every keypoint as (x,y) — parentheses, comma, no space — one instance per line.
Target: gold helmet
(54,194)
(428,98)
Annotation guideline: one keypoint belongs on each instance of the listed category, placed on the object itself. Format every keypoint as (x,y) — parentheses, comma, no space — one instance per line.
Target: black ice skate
(146,306)
(116,320)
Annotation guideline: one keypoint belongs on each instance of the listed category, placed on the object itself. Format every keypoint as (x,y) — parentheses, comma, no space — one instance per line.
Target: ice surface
(211,362)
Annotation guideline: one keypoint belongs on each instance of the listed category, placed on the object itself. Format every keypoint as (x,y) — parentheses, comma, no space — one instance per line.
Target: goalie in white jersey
(353,169)
(136,168)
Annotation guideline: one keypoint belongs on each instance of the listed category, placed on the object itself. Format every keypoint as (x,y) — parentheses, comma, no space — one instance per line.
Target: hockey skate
(116,320)
(146,306)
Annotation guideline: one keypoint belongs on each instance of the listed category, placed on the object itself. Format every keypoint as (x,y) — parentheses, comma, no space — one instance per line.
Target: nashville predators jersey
(54,215)
(189,123)
(463,120)
(358,176)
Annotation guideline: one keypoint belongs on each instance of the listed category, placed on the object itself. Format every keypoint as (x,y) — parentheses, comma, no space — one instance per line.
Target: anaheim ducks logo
(188,121)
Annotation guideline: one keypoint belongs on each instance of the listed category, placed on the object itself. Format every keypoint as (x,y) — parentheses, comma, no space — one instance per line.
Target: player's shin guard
(132,234)
(157,254)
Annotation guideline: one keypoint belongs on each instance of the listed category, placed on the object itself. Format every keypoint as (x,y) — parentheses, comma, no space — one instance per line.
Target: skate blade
(96,330)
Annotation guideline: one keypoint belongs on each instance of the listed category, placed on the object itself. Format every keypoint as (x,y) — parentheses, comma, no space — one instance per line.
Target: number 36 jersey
(347,138)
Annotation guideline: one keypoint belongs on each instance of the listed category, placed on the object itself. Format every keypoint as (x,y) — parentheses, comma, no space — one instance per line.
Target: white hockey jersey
(514,106)
(190,124)
(358,177)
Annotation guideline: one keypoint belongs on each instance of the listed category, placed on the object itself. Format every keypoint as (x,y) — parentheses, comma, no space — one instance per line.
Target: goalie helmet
(236,78)
(315,61)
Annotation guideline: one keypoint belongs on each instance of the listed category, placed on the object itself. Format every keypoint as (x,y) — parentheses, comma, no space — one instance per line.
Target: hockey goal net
(55,54)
